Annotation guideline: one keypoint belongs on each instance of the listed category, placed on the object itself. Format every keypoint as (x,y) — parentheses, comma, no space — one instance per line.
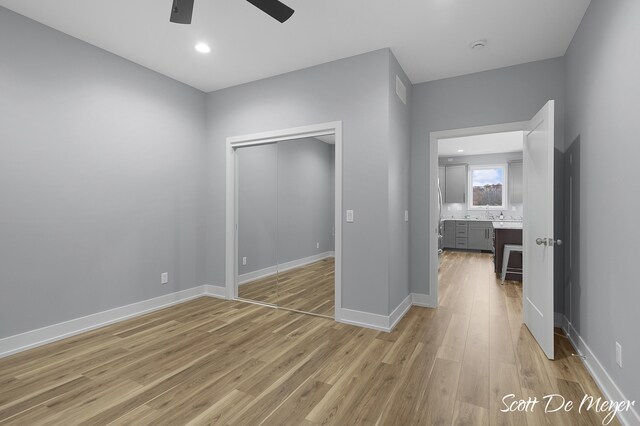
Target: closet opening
(284,233)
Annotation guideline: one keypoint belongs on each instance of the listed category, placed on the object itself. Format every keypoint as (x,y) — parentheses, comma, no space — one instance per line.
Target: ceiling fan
(182,10)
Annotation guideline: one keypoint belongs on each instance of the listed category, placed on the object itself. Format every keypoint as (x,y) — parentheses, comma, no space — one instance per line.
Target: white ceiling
(494,143)
(430,38)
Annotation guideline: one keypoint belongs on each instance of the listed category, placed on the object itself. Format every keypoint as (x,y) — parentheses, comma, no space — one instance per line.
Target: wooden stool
(508,248)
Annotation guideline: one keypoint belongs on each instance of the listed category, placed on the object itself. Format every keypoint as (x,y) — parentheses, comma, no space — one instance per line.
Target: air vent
(401,90)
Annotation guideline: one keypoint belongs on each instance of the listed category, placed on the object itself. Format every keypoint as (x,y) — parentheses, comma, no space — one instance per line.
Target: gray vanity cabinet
(449,234)
(480,236)
(468,235)
(477,237)
(462,234)
(515,182)
(455,184)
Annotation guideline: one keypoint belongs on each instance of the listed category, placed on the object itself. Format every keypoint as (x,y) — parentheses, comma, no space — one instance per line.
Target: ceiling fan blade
(274,8)
(181,11)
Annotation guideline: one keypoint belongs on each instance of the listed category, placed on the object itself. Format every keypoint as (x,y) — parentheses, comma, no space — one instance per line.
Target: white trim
(231,236)
(256,275)
(283,267)
(365,319)
(424,300)
(31,339)
(287,266)
(607,386)
(399,312)
(219,292)
(231,260)
(378,322)
(310,131)
(434,220)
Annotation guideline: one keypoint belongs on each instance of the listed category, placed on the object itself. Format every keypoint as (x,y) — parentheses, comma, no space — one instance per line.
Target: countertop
(507,225)
(497,224)
(483,219)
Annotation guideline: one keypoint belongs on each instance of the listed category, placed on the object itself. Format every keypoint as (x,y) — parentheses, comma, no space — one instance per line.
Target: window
(488,187)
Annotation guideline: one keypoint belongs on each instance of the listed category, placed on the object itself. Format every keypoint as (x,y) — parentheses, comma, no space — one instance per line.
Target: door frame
(434,220)
(231,235)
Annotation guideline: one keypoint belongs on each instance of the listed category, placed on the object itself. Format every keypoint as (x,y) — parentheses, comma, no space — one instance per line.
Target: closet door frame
(231,235)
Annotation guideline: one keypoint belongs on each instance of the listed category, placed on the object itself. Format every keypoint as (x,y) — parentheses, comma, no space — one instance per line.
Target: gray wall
(399,152)
(305,194)
(285,202)
(353,90)
(257,172)
(100,168)
(603,102)
(492,97)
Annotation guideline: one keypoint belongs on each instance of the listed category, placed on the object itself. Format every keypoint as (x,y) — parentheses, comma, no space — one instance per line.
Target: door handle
(555,242)
(541,241)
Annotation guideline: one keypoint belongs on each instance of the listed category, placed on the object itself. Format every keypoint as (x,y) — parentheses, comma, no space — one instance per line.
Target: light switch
(406,215)
(349,216)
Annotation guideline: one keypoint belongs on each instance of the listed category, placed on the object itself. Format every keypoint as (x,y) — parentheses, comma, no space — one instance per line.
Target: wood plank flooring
(309,288)
(211,361)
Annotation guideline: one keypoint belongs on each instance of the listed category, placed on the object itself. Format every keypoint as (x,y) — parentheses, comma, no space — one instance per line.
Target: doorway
(456,201)
(481,213)
(284,234)
(467,186)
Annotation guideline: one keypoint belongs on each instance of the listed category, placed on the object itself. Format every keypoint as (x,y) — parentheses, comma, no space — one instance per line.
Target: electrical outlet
(164,278)
(619,354)
(317,245)
(244,261)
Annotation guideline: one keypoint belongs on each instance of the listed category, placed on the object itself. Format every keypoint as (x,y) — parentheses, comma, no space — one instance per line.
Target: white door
(538,233)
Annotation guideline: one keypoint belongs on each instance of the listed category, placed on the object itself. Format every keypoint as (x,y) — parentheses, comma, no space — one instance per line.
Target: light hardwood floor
(309,288)
(211,361)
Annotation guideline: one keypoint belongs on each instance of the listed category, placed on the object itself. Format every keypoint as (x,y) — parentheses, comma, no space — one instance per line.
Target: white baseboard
(376,321)
(283,267)
(256,275)
(31,339)
(399,312)
(610,390)
(364,319)
(424,300)
(215,291)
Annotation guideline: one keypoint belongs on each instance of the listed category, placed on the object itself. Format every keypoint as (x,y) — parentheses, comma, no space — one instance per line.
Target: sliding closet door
(257,197)
(306,225)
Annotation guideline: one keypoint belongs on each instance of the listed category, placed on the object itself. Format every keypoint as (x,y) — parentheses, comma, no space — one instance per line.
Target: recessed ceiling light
(461,150)
(478,44)
(203,48)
